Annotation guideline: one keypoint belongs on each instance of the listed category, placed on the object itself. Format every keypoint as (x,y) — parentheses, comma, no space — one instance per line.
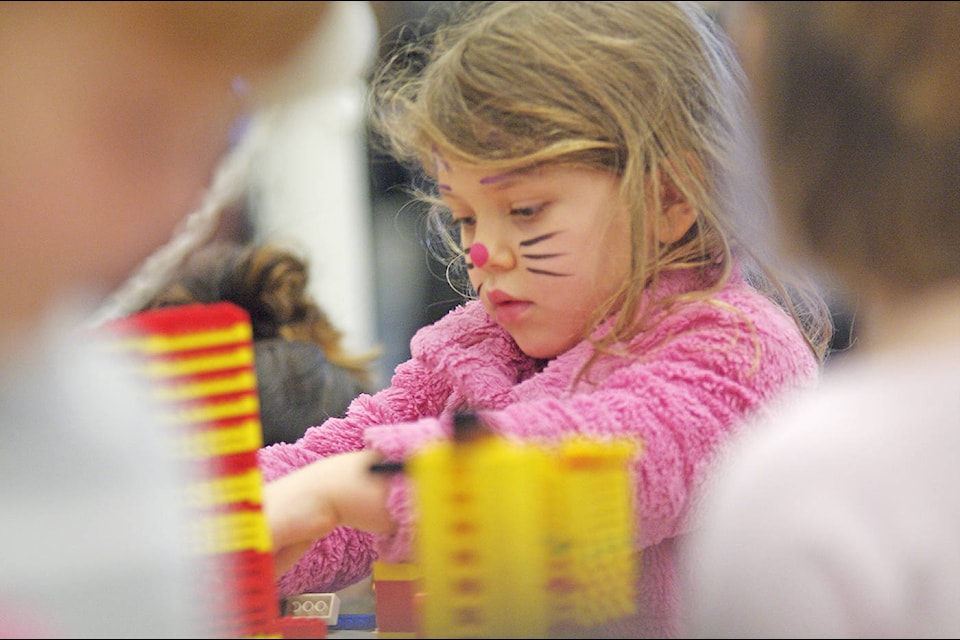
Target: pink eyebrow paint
(497,178)
(478,254)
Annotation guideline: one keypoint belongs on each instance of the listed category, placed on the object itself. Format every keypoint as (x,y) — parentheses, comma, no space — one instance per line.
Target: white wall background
(311,179)
(314,196)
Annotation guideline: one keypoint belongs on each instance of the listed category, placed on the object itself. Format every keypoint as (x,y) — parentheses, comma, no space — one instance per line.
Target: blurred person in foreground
(112,117)
(841,518)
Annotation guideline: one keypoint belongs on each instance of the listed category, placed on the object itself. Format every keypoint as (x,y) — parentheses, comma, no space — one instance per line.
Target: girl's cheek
(475,280)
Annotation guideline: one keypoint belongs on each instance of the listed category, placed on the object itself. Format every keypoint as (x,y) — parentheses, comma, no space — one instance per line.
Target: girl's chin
(537,349)
(511,314)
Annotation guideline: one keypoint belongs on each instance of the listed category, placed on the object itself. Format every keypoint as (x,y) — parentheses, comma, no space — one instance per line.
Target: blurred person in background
(304,372)
(840,517)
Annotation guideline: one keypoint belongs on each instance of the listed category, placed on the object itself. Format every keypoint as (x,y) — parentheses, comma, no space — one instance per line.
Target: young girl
(583,158)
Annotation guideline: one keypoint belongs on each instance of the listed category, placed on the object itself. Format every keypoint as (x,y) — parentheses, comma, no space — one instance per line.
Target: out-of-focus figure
(112,117)
(840,518)
(304,372)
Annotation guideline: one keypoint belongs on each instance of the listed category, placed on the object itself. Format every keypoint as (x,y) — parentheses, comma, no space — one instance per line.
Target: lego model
(198,360)
(515,541)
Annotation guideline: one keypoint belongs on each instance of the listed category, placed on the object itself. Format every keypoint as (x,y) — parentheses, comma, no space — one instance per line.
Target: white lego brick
(314,605)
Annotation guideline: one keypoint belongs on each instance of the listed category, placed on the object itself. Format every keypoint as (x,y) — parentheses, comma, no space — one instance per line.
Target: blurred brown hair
(270,283)
(860,102)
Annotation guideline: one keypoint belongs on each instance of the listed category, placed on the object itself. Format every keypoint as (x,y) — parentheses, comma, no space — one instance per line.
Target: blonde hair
(649,91)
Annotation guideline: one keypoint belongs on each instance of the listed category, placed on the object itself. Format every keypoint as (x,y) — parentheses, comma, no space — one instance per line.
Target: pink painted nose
(478,254)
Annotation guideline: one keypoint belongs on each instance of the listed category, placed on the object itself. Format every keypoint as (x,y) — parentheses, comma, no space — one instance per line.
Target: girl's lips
(509,312)
(506,308)
(497,297)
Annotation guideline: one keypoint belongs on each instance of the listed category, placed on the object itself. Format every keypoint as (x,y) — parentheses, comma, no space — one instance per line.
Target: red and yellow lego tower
(198,360)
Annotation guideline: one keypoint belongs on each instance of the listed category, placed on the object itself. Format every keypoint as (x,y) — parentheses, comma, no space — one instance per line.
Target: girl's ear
(677,215)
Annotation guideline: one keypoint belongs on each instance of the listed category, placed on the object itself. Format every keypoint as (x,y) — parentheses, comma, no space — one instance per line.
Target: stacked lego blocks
(198,360)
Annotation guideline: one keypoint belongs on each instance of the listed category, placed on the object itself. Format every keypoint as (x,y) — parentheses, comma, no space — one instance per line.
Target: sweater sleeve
(692,382)
(415,391)
(406,415)
(706,374)
(346,555)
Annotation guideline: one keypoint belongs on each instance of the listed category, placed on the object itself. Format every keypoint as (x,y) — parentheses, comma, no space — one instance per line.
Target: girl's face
(555,245)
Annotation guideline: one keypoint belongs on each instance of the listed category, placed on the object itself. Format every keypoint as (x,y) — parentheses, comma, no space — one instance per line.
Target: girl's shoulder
(737,323)
(467,318)
(735,303)
(466,329)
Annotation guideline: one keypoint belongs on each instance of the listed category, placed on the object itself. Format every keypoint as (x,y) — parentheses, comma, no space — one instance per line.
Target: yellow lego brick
(190,389)
(480,542)
(231,532)
(239,488)
(515,540)
(220,441)
(238,357)
(398,571)
(221,410)
(593,529)
(158,343)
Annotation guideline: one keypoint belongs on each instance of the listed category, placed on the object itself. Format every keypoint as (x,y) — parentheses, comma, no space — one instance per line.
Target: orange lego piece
(396,587)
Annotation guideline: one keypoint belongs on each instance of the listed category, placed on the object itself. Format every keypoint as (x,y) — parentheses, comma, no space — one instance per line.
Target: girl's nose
(479,254)
(491,247)
(492,257)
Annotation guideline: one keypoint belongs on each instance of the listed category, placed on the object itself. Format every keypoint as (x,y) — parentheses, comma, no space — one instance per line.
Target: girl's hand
(309,503)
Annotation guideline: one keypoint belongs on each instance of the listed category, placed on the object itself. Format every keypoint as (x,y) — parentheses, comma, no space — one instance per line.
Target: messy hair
(650,92)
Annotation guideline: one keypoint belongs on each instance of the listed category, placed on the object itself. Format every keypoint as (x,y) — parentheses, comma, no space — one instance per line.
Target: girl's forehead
(450,162)
(483,175)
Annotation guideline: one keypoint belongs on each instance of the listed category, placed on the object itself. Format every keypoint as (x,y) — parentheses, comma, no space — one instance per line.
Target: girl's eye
(464,222)
(461,228)
(527,211)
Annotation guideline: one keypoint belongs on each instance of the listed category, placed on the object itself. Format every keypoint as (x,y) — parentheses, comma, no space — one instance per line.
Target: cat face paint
(544,247)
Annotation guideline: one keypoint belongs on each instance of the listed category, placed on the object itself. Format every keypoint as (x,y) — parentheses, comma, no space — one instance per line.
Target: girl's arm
(404,401)
(332,492)
(345,554)
(680,400)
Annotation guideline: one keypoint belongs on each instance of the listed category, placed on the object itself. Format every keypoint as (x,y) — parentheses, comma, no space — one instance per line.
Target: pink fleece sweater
(690,382)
